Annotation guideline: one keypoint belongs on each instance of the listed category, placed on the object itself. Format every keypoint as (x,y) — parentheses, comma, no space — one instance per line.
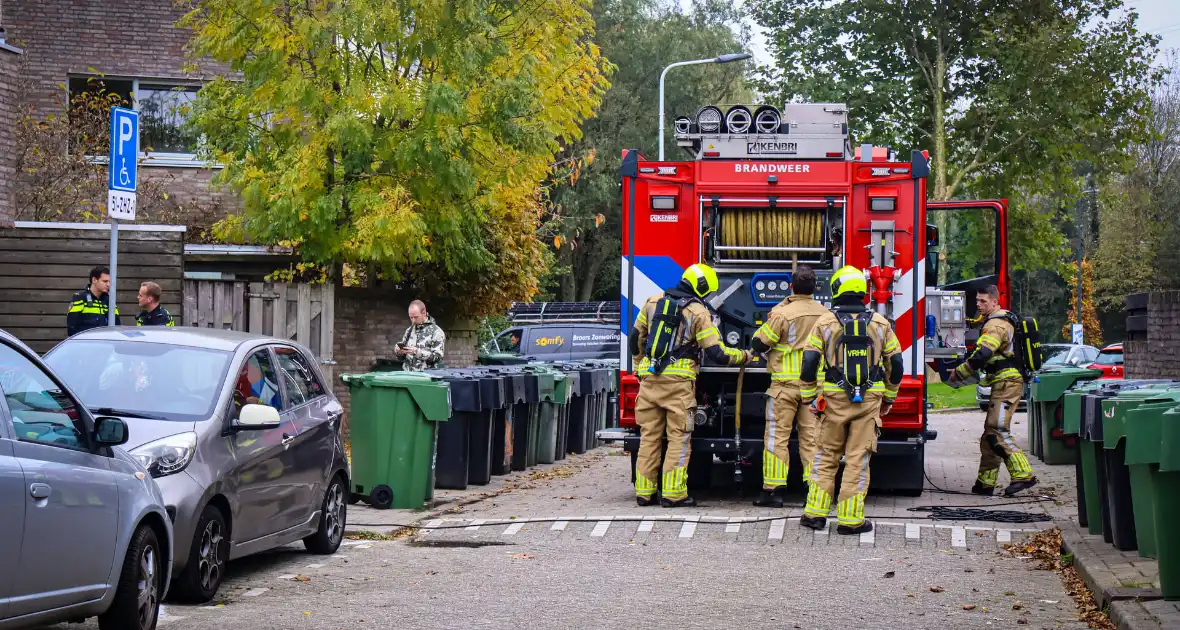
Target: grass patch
(943,396)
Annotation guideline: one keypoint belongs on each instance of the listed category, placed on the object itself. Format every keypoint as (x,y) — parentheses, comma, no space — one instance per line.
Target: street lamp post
(719,59)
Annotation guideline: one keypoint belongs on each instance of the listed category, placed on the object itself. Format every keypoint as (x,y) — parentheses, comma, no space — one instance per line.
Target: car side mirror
(254,417)
(931,235)
(110,431)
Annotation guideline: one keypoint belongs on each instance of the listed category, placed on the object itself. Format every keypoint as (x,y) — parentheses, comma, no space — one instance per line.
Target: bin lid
(1049,385)
(430,393)
(1142,430)
(465,390)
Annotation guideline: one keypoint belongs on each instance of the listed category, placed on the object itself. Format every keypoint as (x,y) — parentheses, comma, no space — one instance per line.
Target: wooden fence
(42,265)
(300,312)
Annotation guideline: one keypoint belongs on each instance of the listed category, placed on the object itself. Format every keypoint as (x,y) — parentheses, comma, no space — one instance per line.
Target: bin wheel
(381,497)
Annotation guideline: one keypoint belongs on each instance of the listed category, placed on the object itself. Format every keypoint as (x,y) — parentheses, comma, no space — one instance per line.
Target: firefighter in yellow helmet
(671,331)
(996,357)
(864,371)
(783,338)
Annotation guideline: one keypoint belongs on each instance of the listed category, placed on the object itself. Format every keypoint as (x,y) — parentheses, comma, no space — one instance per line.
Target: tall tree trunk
(588,278)
(940,192)
(569,280)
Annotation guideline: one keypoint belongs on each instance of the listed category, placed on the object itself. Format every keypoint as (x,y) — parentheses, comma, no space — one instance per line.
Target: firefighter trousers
(996,445)
(785,410)
(849,430)
(665,408)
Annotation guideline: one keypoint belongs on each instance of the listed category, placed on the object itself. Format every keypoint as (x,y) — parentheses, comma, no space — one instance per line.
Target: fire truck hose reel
(769,228)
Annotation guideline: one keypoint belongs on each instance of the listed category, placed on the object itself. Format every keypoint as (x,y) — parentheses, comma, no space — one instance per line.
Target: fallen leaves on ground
(522,556)
(936,589)
(431,572)
(302,578)
(1045,548)
(890,574)
(968,606)
(1017,606)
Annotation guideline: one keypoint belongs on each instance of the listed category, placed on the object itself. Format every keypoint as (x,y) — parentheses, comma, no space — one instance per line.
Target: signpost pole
(121,185)
(114,273)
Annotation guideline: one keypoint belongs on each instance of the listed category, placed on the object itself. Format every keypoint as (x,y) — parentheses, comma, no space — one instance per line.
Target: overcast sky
(1159,17)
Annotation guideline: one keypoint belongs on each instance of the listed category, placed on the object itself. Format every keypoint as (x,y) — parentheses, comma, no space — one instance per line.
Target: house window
(162,109)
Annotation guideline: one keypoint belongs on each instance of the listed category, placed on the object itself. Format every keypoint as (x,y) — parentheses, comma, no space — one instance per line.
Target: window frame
(232,412)
(274,348)
(154,158)
(84,416)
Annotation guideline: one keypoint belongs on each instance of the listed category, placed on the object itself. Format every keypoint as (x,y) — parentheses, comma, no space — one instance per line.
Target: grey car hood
(140,431)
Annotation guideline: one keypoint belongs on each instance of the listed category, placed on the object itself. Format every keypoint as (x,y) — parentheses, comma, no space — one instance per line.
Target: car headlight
(167,456)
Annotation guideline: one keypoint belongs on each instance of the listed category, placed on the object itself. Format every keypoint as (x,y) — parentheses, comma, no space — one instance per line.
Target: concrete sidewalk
(1122,582)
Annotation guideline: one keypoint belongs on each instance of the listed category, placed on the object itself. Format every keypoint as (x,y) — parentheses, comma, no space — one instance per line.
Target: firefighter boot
(848,530)
(813,522)
(645,501)
(982,489)
(685,502)
(772,498)
(1018,485)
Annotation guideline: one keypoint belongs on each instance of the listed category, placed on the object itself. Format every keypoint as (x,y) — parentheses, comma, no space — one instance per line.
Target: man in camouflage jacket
(422,344)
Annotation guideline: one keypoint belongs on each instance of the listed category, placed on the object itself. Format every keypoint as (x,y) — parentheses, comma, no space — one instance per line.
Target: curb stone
(1124,606)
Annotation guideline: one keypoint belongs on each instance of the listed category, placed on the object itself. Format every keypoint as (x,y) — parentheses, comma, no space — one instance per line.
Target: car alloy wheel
(209,560)
(148,587)
(334,512)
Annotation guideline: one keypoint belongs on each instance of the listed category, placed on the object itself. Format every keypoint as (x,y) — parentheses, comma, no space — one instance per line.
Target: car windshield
(145,380)
(1056,355)
(1110,357)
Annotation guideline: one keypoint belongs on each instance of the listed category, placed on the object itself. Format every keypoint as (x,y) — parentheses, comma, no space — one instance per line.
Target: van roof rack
(565,313)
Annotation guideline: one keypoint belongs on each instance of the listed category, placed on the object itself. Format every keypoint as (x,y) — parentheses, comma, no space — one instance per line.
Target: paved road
(575,551)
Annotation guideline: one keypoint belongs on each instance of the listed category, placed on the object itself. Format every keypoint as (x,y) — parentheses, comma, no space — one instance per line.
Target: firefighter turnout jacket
(994,353)
(87,311)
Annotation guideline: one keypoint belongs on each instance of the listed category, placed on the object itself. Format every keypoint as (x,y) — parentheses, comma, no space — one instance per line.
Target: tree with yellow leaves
(1091,329)
(408,137)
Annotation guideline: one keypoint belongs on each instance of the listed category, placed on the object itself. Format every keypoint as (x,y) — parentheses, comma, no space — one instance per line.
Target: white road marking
(430,525)
(690,527)
(1004,536)
(287,577)
(958,537)
(515,527)
(352,543)
(601,527)
(364,546)
(735,525)
(315,566)
(913,531)
(777,527)
(559,526)
(474,527)
(255,592)
(868,538)
(164,617)
(645,526)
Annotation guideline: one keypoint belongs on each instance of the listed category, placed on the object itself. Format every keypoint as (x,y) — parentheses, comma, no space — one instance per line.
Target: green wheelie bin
(1166,487)
(1142,432)
(1046,413)
(1119,497)
(394,430)
(1085,466)
(549,381)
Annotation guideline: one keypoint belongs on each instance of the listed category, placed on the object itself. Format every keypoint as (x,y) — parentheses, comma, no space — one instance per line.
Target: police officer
(865,370)
(995,356)
(666,405)
(783,339)
(153,313)
(90,308)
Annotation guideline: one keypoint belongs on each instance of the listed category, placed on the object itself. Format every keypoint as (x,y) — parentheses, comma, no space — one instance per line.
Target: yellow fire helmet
(701,279)
(848,280)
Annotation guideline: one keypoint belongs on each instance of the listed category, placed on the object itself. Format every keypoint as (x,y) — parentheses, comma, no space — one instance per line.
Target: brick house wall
(1159,355)
(369,322)
(10,57)
(120,39)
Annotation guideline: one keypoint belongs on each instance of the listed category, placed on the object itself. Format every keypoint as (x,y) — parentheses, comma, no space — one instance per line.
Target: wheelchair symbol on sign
(124,176)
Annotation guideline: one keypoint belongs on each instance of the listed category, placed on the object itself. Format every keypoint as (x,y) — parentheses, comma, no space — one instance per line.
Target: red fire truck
(764,190)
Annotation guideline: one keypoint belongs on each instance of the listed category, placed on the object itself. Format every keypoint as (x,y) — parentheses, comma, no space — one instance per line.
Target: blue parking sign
(124,149)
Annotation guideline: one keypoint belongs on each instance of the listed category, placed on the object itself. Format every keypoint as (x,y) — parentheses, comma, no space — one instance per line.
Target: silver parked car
(240,431)
(83,528)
